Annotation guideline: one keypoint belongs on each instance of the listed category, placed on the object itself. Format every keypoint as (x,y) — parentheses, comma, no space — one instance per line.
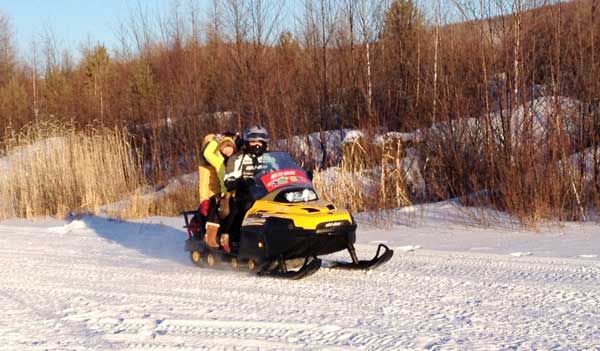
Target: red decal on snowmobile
(277,179)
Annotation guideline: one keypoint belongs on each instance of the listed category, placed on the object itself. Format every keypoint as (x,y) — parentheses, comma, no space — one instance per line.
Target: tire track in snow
(57,297)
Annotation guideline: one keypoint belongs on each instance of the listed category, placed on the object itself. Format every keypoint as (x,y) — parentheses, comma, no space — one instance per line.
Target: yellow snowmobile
(287,225)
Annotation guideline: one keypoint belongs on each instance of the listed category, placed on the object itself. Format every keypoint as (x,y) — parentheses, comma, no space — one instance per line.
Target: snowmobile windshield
(279,170)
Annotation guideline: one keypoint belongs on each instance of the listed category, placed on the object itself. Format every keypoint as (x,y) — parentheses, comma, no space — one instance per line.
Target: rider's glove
(248,182)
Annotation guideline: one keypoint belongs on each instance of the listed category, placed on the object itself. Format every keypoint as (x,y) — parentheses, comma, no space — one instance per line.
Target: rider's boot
(211,234)
(224,241)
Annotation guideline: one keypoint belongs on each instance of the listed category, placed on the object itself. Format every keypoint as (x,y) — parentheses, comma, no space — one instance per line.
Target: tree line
(376,65)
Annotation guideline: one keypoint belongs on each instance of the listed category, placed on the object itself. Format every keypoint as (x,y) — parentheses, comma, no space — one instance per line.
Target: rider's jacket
(241,167)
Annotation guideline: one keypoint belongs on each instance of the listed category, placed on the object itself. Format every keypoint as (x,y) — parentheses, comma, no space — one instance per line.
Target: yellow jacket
(211,170)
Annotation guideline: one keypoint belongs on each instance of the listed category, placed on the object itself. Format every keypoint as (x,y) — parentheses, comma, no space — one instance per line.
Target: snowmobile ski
(382,255)
(310,266)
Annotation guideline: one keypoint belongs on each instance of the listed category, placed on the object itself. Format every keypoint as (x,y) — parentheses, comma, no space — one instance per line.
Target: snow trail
(99,284)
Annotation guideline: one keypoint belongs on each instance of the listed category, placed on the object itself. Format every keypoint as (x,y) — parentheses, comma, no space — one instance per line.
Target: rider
(216,149)
(239,175)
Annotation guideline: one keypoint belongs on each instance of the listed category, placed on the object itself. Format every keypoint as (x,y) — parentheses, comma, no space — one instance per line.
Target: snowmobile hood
(307,215)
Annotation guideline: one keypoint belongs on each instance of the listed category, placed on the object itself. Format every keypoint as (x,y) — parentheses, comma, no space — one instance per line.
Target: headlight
(301,196)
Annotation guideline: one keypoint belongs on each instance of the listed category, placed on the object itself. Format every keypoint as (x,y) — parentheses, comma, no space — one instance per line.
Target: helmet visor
(257,137)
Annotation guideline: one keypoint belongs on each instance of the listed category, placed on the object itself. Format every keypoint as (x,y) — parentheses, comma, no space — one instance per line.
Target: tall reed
(54,169)
(370,178)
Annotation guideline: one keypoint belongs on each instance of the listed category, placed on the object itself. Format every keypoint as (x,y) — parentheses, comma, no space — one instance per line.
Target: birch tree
(370,15)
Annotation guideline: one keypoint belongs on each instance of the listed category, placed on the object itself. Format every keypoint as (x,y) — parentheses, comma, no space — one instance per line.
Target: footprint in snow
(408,248)
(481,248)
(378,242)
(520,254)
(588,256)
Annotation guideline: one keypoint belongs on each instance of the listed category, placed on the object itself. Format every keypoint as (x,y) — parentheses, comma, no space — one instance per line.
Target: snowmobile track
(83,292)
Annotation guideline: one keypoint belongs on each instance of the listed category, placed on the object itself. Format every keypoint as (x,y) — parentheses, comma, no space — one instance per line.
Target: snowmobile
(287,227)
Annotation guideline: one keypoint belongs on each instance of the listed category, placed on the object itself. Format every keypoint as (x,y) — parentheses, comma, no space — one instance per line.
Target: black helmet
(256,133)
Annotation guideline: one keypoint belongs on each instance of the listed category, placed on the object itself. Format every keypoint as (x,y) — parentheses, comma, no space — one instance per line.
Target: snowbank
(24,155)
(150,195)
(311,146)
(529,123)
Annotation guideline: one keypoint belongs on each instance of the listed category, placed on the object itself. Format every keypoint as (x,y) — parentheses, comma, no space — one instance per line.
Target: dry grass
(183,196)
(370,178)
(54,169)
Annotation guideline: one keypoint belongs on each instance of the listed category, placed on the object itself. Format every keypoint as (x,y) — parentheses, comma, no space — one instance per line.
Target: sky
(73,22)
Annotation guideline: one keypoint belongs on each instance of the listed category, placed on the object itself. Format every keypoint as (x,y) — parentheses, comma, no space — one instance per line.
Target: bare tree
(235,31)
(139,29)
(518,14)
(594,98)
(370,15)
(320,21)
(172,26)
(34,79)
(265,19)
(7,50)
(436,59)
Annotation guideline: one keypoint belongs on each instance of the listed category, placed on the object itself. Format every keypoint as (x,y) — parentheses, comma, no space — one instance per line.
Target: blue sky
(72,22)
(76,22)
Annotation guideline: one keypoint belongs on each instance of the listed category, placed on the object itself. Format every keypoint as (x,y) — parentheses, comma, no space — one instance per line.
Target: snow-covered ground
(93,283)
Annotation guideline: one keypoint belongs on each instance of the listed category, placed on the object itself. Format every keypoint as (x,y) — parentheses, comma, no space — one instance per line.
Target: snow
(27,154)
(353,136)
(392,136)
(543,110)
(461,278)
(148,194)
(529,123)
(310,145)
(585,161)
(453,283)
